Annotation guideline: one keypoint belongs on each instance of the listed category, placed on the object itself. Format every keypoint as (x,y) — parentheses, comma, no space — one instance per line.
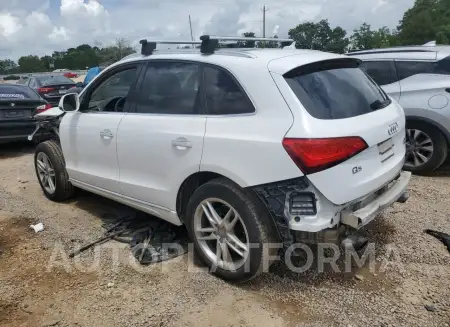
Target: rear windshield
(15,92)
(336,89)
(53,80)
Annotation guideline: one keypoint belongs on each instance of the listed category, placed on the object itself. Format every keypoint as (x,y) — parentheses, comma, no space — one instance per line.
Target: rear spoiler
(319,66)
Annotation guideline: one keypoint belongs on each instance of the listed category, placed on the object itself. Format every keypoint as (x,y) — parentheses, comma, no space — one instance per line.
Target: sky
(43,26)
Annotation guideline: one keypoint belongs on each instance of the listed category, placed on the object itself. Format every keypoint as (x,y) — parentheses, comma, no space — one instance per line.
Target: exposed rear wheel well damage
(188,187)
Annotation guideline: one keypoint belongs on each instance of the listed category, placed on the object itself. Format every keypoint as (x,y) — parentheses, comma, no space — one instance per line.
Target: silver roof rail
(208,43)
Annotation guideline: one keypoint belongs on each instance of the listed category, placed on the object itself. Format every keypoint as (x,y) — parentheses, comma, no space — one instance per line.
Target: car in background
(70,75)
(18,105)
(418,77)
(50,87)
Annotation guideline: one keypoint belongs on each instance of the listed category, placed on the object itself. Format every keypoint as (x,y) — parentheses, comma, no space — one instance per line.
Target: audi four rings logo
(393,128)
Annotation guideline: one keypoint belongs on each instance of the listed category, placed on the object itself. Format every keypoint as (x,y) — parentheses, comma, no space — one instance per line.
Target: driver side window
(111,94)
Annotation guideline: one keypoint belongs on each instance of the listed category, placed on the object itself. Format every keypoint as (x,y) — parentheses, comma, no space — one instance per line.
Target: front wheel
(51,171)
(426,147)
(231,231)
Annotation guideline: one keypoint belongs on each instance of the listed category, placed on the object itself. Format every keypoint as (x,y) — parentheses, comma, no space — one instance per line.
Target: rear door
(335,100)
(160,144)
(89,136)
(383,72)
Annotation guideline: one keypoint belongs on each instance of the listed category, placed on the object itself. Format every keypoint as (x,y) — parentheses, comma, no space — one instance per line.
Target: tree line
(78,58)
(426,21)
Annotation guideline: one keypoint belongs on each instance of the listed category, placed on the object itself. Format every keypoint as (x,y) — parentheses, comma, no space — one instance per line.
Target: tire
(254,216)
(439,144)
(63,189)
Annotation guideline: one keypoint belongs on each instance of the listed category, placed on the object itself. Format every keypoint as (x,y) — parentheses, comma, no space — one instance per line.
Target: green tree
(365,38)
(45,61)
(423,21)
(247,44)
(319,36)
(8,66)
(120,49)
(31,64)
(362,38)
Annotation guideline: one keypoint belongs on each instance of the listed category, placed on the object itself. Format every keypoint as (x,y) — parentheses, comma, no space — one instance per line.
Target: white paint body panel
(152,169)
(89,157)
(247,148)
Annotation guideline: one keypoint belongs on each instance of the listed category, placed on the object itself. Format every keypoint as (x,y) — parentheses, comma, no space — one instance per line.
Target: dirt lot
(39,286)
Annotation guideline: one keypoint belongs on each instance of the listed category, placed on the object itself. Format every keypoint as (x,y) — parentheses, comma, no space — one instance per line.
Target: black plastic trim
(273,195)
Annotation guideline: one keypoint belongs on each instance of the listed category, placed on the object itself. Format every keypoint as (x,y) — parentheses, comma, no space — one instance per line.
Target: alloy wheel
(419,148)
(221,234)
(46,172)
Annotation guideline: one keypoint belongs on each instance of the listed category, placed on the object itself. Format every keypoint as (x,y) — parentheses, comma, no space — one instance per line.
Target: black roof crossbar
(208,43)
(147,47)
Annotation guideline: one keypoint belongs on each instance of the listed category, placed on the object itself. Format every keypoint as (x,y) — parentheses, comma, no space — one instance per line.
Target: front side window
(223,94)
(407,69)
(170,88)
(335,90)
(111,94)
(382,72)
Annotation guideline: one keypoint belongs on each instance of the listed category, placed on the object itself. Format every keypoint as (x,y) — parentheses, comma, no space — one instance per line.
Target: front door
(89,136)
(160,144)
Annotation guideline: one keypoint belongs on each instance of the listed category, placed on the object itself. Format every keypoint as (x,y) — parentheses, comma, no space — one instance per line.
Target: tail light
(43,108)
(45,89)
(314,155)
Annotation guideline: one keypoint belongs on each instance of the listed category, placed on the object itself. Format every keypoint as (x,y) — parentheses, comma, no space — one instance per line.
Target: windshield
(53,80)
(336,90)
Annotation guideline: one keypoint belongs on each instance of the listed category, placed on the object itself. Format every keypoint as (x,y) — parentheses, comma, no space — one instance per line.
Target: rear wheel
(51,172)
(230,230)
(426,147)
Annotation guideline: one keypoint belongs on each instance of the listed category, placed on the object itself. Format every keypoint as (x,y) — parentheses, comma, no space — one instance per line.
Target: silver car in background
(418,77)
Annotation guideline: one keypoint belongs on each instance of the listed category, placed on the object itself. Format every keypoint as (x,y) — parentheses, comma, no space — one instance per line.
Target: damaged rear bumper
(393,192)
(327,221)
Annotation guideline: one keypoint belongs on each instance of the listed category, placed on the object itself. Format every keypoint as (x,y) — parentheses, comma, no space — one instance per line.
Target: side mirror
(79,84)
(69,102)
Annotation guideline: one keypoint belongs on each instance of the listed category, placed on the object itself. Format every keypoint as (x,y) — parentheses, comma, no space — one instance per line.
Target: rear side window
(407,69)
(336,89)
(382,72)
(15,92)
(170,88)
(223,94)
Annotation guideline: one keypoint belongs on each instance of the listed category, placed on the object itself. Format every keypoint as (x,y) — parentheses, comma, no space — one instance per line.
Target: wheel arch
(431,122)
(189,185)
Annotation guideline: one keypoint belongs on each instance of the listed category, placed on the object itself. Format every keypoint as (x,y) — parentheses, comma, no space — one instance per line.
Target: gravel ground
(40,286)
